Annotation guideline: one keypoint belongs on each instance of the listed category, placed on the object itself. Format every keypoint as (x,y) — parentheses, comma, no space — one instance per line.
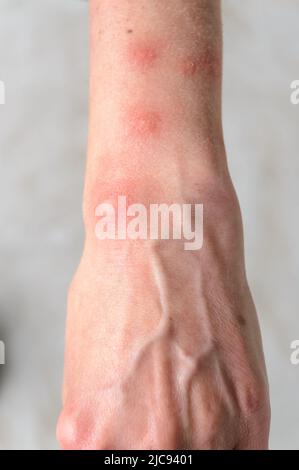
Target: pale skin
(163,348)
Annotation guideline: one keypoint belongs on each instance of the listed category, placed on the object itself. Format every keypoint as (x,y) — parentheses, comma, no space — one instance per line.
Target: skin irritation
(142,122)
(143,190)
(108,192)
(142,54)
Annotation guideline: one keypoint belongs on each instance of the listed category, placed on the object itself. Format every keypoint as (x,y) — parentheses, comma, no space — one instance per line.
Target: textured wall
(44,63)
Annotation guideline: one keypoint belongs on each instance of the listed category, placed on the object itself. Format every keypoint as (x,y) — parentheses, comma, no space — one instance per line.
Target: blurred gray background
(44,64)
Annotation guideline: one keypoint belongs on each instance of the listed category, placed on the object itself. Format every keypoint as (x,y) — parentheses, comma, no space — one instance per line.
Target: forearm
(155,87)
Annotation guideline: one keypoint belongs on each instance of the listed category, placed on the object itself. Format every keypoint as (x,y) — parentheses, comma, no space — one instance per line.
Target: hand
(163,346)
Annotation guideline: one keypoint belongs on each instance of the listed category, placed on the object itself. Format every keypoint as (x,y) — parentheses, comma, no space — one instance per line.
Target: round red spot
(142,122)
(142,55)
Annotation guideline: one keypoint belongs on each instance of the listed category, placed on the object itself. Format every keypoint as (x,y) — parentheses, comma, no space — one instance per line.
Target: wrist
(197,178)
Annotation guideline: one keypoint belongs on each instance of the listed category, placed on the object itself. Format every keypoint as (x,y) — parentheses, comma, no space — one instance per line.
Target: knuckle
(76,431)
(69,433)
